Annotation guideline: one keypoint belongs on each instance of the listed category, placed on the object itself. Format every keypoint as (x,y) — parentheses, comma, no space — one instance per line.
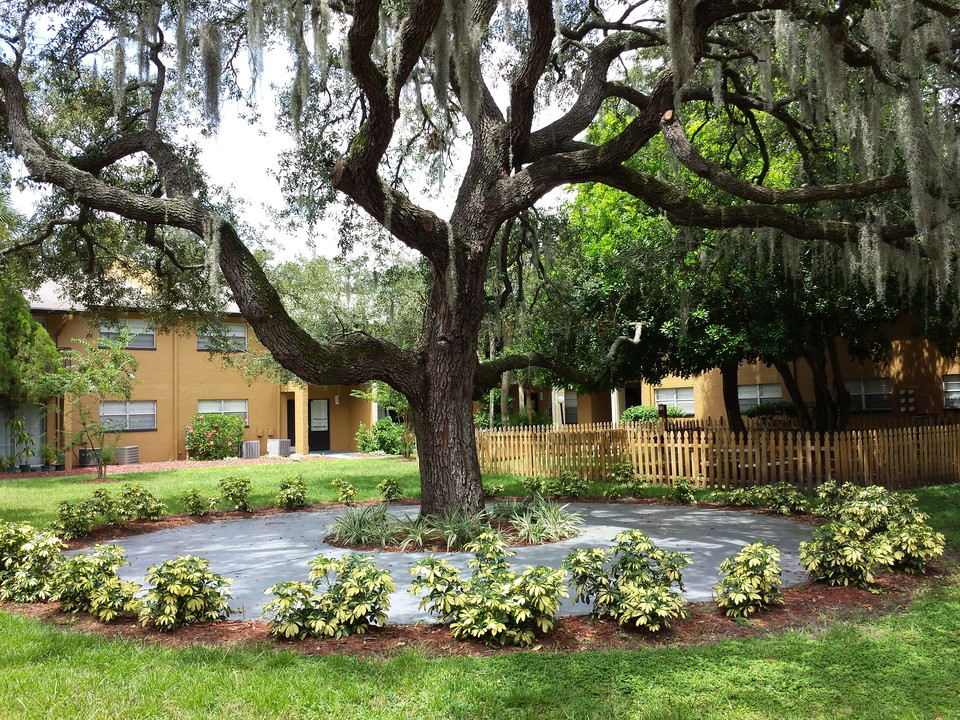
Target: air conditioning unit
(278,446)
(128,455)
(88,457)
(250,449)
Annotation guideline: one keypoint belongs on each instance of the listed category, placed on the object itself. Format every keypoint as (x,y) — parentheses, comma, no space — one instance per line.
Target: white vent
(128,455)
(278,446)
(250,449)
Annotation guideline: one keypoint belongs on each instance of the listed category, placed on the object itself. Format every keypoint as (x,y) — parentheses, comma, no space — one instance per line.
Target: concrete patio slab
(262,551)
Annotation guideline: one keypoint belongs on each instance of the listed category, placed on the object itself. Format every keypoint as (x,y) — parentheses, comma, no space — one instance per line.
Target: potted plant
(10,463)
(48,453)
(61,463)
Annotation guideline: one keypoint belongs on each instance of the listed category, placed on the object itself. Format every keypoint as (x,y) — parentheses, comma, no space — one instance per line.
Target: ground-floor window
(132,415)
(951,391)
(677,397)
(224,407)
(753,395)
(871,394)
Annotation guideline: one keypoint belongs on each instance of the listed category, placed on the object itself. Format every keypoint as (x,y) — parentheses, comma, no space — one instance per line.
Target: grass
(901,666)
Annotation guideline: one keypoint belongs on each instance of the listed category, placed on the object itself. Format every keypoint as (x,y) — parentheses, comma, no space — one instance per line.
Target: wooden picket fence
(892,457)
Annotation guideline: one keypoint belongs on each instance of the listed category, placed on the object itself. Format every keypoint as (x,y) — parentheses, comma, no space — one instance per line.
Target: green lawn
(902,666)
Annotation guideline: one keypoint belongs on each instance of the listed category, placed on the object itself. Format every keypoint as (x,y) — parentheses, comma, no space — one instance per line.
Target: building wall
(177,376)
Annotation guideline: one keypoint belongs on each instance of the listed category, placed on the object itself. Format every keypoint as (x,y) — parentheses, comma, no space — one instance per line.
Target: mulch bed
(809,607)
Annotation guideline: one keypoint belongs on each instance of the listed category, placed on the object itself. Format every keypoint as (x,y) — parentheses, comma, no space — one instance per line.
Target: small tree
(87,378)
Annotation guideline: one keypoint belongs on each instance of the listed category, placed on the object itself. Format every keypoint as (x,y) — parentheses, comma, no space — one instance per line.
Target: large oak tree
(386,89)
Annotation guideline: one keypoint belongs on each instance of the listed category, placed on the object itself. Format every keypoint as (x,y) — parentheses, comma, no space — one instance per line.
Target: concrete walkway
(261,552)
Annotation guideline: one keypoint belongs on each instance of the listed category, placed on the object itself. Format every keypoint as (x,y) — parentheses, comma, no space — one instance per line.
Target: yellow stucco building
(179,377)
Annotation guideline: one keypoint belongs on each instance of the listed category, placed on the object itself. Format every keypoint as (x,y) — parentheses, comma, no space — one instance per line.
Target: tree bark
(793,390)
(731,400)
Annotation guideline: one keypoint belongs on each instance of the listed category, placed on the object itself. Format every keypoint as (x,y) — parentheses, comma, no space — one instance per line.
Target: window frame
(127,415)
(758,397)
(245,414)
(138,327)
(676,401)
(859,394)
(947,403)
(205,342)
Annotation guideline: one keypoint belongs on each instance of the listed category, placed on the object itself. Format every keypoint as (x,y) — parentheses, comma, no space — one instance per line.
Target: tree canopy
(386,95)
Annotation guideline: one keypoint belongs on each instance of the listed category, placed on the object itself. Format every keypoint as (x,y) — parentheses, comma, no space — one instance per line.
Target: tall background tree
(864,91)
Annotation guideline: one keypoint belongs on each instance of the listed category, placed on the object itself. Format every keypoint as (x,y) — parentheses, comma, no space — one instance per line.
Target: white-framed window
(752,395)
(133,415)
(235,339)
(677,397)
(871,394)
(951,391)
(144,336)
(223,407)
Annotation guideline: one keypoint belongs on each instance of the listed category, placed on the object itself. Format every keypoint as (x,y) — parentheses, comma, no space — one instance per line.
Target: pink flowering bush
(214,437)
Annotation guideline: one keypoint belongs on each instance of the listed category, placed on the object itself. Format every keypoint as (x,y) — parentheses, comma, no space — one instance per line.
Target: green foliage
(74,520)
(496,604)
(539,521)
(138,503)
(184,592)
(28,558)
(649,413)
(637,587)
(390,488)
(752,580)
(779,408)
(490,489)
(88,582)
(362,526)
(843,553)
(345,491)
(87,377)
(681,491)
(566,484)
(26,351)
(214,437)
(235,491)
(345,595)
(195,503)
(384,436)
(623,472)
(293,493)
(782,497)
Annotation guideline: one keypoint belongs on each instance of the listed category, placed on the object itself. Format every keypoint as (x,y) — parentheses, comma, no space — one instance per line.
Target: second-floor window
(143,337)
(871,394)
(133,415)
(234,339)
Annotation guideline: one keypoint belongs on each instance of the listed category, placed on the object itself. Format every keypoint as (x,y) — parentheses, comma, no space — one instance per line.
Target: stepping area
(263,551)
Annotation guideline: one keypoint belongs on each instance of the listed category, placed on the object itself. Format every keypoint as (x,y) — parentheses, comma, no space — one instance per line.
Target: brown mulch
(809,607)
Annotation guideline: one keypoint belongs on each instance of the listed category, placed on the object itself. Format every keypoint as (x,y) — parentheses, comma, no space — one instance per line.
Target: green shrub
(103,504)
(385,436)
(363,526)
(195,503)
(681,491)
(496,604)
(566,484)
(184,592)
(534,485)
(345,491)
(138,503)
(293,493)
(752,580)
(649,413)
(779,408)
(235,491)
(390,488)
(89,582)
(637,588)
(28,558)
(843,553)
(913,543)
(345,595)
(214,437)
(74,520)
(492,489)
(783,498)
(623,472)
(540,521)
